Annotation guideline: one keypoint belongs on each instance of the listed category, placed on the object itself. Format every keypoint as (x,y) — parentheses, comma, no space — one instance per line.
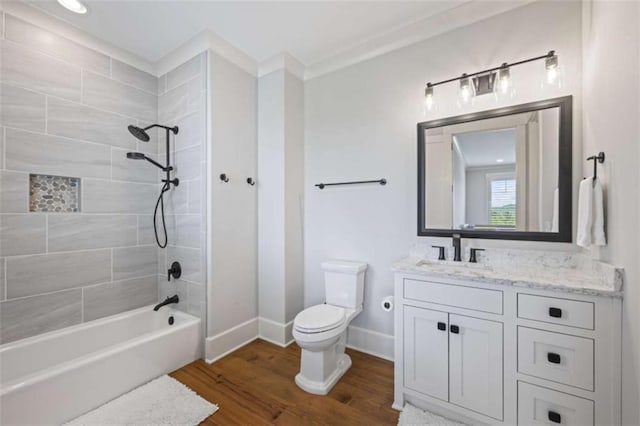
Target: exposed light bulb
(500,160)
(504,79)
(465,89)
(428,97)
(551,65)
(73,5)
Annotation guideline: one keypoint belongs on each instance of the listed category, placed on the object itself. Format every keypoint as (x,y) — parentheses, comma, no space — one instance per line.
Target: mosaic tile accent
(54,194)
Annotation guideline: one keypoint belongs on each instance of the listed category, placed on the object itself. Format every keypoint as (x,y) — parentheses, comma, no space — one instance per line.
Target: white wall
(611,112)
(232,282)
(281,175)
(360,123)
(477,211)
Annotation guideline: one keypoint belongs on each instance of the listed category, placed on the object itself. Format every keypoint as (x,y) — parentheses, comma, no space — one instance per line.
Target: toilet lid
(319,318)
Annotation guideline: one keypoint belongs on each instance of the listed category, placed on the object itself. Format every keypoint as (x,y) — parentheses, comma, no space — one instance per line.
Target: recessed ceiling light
(499,160)
(73,5)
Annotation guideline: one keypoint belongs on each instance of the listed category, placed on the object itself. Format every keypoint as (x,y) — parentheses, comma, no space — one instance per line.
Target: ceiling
(312,31)
(482,149)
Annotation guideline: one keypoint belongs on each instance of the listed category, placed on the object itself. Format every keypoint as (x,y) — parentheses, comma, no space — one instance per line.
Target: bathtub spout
(167,301)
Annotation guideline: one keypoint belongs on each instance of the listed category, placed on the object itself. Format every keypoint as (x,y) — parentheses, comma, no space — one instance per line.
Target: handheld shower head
(139,133)
(135,156)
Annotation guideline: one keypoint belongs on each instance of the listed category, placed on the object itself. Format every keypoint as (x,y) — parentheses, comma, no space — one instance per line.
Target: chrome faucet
(167,301)
(457,248)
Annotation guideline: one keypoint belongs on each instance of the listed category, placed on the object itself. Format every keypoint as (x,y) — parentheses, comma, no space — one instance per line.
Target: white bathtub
(55,377)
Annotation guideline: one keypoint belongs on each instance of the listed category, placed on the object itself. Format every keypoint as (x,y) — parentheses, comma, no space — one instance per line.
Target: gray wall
(182,102)
(65,110)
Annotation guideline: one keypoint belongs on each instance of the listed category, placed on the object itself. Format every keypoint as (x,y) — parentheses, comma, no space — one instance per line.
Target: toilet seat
(319,318)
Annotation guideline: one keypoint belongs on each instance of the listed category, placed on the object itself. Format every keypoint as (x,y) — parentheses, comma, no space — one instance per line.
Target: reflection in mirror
(499,174)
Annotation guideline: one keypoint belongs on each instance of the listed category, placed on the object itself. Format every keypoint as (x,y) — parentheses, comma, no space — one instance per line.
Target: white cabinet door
(426,363)
(475,354)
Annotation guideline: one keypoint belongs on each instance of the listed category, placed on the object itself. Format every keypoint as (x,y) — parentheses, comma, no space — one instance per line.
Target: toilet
(321,330)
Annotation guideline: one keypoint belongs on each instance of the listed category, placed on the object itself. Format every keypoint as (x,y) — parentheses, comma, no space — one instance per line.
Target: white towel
(585,213)
(599,238)
(590,214)
(556,201)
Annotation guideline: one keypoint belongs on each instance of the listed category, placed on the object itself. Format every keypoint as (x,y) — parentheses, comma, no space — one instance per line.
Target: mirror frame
(565,179)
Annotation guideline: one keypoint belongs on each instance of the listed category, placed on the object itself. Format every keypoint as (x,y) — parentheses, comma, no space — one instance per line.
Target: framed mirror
(500,174)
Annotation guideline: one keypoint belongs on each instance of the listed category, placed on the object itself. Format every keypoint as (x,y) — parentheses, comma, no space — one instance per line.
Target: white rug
(163,401)
(412,416)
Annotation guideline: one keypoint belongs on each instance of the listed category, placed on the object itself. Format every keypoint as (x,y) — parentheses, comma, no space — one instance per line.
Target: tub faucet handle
(175,271)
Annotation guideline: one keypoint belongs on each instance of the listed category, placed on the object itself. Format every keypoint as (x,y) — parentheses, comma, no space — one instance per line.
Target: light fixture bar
(537,58)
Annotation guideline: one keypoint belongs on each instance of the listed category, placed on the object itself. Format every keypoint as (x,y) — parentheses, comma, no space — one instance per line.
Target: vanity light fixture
(484,82)
(75,6)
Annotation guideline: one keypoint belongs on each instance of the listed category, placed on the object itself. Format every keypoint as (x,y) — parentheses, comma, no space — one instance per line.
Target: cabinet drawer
(572,313)
(476,299)
(557,357)
(542,406)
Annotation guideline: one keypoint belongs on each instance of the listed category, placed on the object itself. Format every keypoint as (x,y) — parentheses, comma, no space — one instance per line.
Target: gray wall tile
(177,199)
(187,163)
(187,231)
(134,262)
(78,121)
(170,288)
(109,299)
(184,72)
(30,69)
(87,231)
(1,147)
(172,105)
(192,131)
(22,234)
(123,168)
(14,192)
(162,84)
(39,314)
(133,76)
(145,230)
(102,196)
(22,108)
(32,152)
(44,273)
(190,260)
(2,295)
(112,95)
(195,197)
(37,38)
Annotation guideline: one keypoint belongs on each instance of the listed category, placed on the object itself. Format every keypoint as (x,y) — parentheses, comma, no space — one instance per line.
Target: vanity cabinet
(485,353)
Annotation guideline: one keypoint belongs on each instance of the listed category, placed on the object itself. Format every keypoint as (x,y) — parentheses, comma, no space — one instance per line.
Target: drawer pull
(442,326)
(555,312)
(553,358)
(454,329)
(554,417)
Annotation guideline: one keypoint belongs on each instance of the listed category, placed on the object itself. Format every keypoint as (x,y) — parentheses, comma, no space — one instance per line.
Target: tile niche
(59,194)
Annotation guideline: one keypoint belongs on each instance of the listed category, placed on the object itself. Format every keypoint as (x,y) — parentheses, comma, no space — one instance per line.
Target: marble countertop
(573,274)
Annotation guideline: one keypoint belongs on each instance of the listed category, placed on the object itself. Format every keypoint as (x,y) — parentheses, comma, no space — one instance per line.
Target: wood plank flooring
(255,386)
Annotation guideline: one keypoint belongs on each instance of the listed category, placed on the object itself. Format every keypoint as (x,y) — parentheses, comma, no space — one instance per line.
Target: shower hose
(160,203)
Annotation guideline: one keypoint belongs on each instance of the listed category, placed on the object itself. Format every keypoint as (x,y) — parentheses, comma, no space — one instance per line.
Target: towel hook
(596,159)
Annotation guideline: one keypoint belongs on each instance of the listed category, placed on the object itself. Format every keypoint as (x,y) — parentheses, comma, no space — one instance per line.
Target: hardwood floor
(255,386)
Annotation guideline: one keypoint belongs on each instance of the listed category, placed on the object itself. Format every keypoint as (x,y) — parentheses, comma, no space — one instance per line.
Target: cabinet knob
(553,358)
(442,326)
(454,329)
(555,312)
(554,417)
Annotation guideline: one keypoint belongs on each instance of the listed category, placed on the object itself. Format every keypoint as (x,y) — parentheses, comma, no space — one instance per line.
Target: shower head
(136,156)
(139,133)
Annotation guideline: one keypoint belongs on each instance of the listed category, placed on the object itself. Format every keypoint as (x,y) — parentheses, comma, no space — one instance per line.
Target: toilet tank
(344,282)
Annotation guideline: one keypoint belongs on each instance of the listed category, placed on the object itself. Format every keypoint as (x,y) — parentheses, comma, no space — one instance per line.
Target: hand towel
(556,201)
(599,238)
(585,213)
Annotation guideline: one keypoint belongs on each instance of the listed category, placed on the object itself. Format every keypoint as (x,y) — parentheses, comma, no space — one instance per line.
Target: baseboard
(370,342)
(275,332)
(228,341)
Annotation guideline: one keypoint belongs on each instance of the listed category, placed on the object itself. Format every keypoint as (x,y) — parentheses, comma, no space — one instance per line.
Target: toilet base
(323,387)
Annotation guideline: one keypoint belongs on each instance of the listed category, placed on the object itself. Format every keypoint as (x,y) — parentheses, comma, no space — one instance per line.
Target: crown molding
(36,16)
(206,40)
(284,60)
(423,29)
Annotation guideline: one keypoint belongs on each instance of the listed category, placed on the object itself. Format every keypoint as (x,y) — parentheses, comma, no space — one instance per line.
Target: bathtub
(55,377)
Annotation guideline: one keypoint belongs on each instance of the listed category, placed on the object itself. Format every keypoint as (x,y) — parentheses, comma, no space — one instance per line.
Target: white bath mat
(163,401)
(412,416)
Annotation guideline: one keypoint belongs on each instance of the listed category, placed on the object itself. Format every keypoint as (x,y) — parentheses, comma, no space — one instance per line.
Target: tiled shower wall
(65,111)
(182,102)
